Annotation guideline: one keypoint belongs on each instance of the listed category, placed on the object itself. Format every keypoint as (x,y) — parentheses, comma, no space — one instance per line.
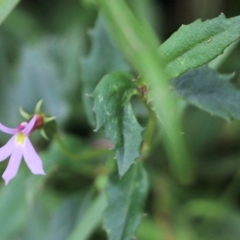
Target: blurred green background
(51,50)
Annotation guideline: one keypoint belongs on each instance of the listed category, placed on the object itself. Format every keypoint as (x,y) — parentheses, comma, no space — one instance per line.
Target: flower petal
(5,129)
(13,165)
(30,125)
(32,159)
(7,149)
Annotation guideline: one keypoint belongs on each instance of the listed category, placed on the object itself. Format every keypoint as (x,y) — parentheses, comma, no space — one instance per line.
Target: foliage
(210,91)
(128,195)
(141,138)
(206,40)
(103,58)
(114,112)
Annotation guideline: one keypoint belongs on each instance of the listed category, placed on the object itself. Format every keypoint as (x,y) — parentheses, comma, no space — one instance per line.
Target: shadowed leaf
(115,114)
(210,91)
(126,197)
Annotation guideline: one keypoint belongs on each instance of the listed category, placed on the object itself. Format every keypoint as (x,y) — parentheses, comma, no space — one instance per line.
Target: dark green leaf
(102,59)
(7,49)
(210,91)
(198,43)
(126,198)
(115,113)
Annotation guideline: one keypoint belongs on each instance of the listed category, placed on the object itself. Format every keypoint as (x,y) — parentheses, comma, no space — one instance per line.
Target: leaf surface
(198,43)
(14,207)
(126,198)
(210,91)
(6,6)
(114,112)
(40,77)
(102,59)
(90,219)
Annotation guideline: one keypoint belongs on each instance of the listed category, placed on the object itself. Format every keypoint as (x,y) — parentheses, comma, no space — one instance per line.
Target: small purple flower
(20,146)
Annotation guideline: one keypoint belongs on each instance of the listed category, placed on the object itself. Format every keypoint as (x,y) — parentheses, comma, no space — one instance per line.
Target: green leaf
(13,206)
(210,91)
(38,219)
(115,113)
(102,59)
(40,77)
(90,219)
(6,6)
(139,43)
(198,43)
(126,198)
(68,214)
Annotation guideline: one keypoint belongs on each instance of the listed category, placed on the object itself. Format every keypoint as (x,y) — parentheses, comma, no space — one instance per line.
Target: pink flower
(20,146)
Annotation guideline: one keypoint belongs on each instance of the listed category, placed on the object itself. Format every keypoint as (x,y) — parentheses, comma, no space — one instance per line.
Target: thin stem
(83,156)
(150,132)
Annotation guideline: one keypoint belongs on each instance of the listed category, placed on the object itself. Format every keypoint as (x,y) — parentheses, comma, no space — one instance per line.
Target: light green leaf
(39,77)
(149,230)
(13,206)
(198,43)
(38,219)
(6,6)
(126,198)
(90,219)
(210,91)
(68,214)
(115,113)
(102,59)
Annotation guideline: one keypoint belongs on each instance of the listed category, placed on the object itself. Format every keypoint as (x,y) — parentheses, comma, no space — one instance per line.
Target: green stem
(149,132)
(139,44)
(83,156)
